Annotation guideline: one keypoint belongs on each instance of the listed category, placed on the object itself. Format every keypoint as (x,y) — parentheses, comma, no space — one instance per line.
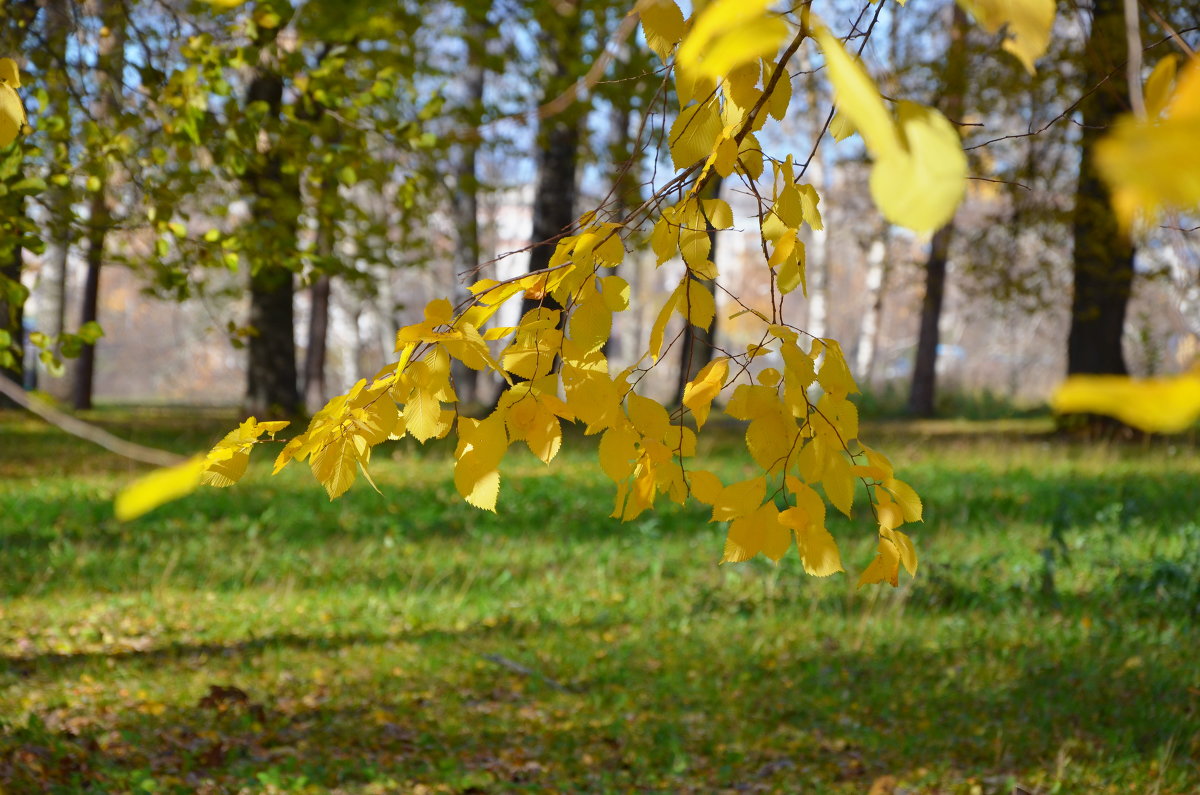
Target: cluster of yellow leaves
(1153,163)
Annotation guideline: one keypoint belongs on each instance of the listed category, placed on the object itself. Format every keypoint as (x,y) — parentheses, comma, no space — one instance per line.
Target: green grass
(354,644)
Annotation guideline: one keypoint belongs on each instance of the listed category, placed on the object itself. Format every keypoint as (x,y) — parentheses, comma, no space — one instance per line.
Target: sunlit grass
(1048,639)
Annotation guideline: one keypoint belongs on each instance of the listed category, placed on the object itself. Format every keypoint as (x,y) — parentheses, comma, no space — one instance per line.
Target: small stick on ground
(517,668)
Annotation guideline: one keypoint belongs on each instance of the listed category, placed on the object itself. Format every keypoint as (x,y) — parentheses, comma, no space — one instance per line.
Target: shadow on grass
(685,714)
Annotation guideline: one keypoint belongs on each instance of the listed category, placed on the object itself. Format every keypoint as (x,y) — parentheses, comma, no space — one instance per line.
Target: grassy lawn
(263,639)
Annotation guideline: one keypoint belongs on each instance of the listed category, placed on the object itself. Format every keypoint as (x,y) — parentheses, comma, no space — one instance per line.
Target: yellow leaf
(222,472)
(158,487)
(591,322)
(730,33)
(705,486)
(700,392)
(818,550)
(663,24)
(481,446)
(228,459)
(750,401)
(834,375)
(423,415)
(904,546)
(841,414)
(920,169)
(1160,86)
(857,97)
(885,567)
(750,157)
(757,531)
(841,128)
(618,451)
(838,481)
(700,306)
(616,293)
(781,95)
(1027,25)
(694,133)
(335,466)
(771,437)
(725,156)
(1156,405)
(810,202)
(741,84)
(921,185)
(659,329)
(739,499)
(906,498)
(529,417)
(648,416)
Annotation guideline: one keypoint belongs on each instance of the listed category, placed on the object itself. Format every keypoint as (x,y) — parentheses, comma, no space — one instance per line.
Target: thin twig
(517,668)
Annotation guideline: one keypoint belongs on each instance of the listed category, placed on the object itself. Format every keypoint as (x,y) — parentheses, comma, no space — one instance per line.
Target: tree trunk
(1103,256)
(697,350)
(110,64)
(464,200)
(316,389)
(271,382)
(271,376)
(58,23)
(922,398)
(15,20)
(558,146)
(868,335)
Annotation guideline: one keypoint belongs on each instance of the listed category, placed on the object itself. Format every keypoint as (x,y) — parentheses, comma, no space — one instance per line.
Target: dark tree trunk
(1103,255)
(315,385)
(15,21)
(558,145)
(110,63)
(697,350)
(271,378)
(271,382)
(922,398)
(554,197)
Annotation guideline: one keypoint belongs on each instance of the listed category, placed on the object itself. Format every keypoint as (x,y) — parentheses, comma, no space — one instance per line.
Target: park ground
(263,639)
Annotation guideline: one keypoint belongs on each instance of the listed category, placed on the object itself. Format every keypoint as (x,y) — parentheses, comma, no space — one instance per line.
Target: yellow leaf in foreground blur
(1153,164)
(921,185)
(158,487)
(730,33)
(920,169)
(858,99)
(1027,24)
(1157,405)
